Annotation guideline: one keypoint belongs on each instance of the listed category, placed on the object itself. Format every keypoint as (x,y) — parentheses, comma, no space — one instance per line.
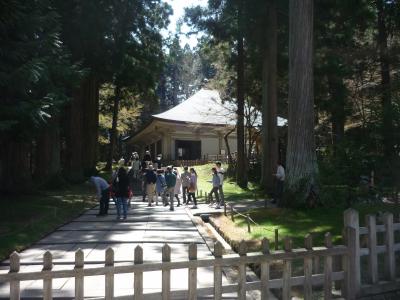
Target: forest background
(77,77)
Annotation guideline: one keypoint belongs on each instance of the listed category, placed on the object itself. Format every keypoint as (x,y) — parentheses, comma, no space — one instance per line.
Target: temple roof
(206,107)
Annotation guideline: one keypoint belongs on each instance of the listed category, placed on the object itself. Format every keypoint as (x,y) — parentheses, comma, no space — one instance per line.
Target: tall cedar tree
(137,53)
(241,166)
(269,99)
(85,31)
(384,61)
(34,76)
(226,21)
(302,166)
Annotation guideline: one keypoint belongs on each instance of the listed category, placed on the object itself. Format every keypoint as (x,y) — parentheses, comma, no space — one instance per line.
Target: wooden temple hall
(193,129)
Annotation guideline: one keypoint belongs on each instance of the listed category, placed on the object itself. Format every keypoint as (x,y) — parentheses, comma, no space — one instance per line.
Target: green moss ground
(27,218)
(231,190)
(297,223)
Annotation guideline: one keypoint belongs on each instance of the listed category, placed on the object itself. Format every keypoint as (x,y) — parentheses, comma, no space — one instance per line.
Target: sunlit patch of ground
(25,219)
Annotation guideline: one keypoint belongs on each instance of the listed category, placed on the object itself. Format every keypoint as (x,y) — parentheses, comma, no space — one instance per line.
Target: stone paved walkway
(149,227)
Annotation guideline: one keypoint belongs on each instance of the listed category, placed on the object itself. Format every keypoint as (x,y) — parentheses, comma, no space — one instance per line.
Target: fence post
(232,213)
(350,264)
(308,270)
(276,238)
(351,220)
(218,271)
(48,281)
(166,274)
(138,275)
(242,250)
(248,223)
(192,284)
(287,270)
(390,263)
(328,268)
(79,283)
(109,278)
(265,270)
(372,256)
(15,292)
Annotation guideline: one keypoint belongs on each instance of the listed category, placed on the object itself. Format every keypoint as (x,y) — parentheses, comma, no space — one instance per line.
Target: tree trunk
(91,123)
(269,102)
(73,168)
(228,148)
(113,134)
(302,166)
(384,60)
(249,143)
(241,169)
(15,167)
(48,149)
(163,94)
(175,87)
(337,90)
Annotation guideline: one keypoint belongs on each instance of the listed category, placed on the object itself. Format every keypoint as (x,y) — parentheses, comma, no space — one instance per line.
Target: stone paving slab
(141,211)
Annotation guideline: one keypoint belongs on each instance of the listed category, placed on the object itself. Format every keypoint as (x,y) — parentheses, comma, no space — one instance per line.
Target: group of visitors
(167,184)
(164,184)
(119,190)
(158,183)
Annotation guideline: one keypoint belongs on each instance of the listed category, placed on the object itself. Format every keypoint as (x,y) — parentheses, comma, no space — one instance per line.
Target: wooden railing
(364,250)
(264,259)
(217,157)
(209,158)
(349,273)
(189,163)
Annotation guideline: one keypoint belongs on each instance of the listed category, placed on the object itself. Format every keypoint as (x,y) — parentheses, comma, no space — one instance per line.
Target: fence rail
(209,158)
(138,267)
(234,212)
(349,273)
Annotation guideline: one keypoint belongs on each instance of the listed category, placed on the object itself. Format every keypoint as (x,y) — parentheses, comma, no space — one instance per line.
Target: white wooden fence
(349,275)
(364,250)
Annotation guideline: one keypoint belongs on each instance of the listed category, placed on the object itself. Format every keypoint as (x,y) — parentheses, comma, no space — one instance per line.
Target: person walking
(185,177)
(178,186)
(135,165)
(143,168)
(121,188)
(151,179)
(215,187)
(103,194)
(159,161)
(143,172)
(192,188)
(280,181)
(121,162)
(147,157)
(170,179)
(221,172)
(161,186)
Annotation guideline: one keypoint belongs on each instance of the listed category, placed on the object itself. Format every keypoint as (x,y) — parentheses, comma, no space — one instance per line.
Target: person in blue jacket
(161,186)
